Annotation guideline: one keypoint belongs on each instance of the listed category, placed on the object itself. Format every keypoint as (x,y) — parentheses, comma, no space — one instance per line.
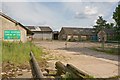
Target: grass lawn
(18,53)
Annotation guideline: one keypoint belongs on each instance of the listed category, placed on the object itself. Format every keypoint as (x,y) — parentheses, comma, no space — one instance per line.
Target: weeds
(18,53)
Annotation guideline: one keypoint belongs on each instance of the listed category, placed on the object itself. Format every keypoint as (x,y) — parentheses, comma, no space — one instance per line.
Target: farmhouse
(75,34)
(41,32)
(11,30)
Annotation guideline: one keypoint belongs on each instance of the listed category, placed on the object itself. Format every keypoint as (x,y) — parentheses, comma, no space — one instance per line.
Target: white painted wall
(43,36)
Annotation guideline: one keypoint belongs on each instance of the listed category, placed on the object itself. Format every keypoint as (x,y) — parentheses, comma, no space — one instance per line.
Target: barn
(41,32)
(75,34)
(106,34)
(11,30)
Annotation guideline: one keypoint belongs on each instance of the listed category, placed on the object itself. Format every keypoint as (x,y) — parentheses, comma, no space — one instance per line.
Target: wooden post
(76,73)
(60,68)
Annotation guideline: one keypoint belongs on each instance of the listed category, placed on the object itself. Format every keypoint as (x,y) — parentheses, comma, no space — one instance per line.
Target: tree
(109,26)
(116,17)
(100,24)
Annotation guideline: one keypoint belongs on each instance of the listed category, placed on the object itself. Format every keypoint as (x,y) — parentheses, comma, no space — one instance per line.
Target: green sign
(11,34)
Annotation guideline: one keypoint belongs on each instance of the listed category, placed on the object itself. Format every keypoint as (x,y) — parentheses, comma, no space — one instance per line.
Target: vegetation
(116,17)
(112,51)
(18,53)
(102,24)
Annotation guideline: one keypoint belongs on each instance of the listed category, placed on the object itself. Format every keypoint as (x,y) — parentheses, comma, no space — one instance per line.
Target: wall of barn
(62,35)
(42,36)
(9,25)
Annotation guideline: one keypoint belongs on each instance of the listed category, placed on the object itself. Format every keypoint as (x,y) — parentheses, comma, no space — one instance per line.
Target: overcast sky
(58,14)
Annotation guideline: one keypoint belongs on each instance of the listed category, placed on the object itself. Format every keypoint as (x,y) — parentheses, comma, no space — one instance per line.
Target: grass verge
(18,53)
(111,51)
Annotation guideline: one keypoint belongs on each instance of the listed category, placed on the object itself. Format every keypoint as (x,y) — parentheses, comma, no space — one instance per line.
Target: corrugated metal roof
(78,31)
(40,28)
(45,29)
(30,27)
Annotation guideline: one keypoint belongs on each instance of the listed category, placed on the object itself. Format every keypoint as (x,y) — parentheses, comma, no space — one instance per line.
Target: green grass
(112,51)
(0,53)
(18,53)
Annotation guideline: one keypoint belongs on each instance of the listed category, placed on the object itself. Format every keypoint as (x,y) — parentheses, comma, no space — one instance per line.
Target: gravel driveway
(97,64)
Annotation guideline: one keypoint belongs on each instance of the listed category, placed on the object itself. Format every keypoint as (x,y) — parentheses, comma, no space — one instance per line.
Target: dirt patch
(95,63)
(11,70)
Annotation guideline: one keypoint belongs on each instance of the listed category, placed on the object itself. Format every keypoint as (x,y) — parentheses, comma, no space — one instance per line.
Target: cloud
(33,13)
(90,10)
(80,15)
(30,13)
(1,7)
(99,0)
(60,0)
(57,14)
(41,0)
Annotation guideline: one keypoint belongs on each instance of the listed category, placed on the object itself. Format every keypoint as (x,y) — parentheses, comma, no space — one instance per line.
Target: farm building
(106,34)
(11,30)
(55,35)
(41,32)
(75,34)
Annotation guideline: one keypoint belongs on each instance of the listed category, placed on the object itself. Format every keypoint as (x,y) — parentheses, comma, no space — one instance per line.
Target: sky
(56,14)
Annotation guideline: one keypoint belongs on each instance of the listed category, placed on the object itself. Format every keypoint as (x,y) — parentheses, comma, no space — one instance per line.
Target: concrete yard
(97,64)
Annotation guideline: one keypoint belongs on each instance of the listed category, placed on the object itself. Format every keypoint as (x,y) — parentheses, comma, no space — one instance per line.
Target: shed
(75,34)
(11,30)
(41,32)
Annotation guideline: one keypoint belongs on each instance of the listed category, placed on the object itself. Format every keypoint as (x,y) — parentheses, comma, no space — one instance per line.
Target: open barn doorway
(55,35)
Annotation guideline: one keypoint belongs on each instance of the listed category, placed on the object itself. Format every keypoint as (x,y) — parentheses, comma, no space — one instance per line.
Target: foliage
(18,53)
(116,17)
(109,25)
(100,24)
